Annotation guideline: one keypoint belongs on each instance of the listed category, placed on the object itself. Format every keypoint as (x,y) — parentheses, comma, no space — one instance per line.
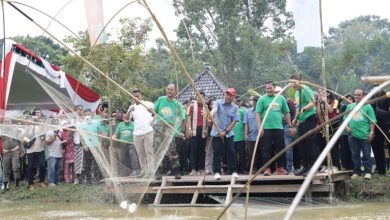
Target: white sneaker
(217,176)
(355,176)
(367,176)
(235,175)
(76,181)
(52,184)
(193,173)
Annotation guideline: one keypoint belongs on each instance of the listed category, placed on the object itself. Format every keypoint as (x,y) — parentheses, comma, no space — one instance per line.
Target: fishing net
(105,157)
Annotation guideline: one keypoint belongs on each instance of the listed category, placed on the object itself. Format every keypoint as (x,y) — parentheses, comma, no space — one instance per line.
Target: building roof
(207,82)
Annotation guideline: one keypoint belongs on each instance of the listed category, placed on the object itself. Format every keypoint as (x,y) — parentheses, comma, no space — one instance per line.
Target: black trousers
(241,155)
(258,159)
(379,150)
(91,167)
(272,143)
(33,158)
(182,151)
(308,146)
(220,147)
(198,152)
(345,153)
(334,152)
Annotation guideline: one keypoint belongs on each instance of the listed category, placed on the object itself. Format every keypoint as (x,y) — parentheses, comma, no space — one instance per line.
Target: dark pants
(334,152)
(33,158)
(362,145)
(221,146)
(308,146)
(182,151)
(198,152)
(258,158)
(91,167)
(297,159)
(379,151)
(162,135)
(272,143)
(239,146)
(345,153)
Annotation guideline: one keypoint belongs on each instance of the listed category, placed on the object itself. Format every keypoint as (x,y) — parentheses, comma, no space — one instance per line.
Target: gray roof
(207,82)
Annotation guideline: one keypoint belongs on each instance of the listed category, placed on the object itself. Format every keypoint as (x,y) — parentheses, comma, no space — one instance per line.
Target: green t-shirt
(169,110)
(239,127)
(275,116)
(307,96)
(104,129)
(360,122)
(125,131)
(88,131)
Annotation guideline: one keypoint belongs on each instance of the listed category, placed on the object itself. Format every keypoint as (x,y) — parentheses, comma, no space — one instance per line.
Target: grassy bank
(378,188)
(59,193)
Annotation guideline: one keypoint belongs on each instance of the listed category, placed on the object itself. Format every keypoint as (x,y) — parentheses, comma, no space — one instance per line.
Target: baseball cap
(231,91)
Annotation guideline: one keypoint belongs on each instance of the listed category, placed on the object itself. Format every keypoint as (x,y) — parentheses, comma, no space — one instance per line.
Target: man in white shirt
(143,132)
(53,142)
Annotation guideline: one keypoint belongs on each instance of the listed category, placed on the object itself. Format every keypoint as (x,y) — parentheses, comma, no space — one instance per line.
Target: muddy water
(342,211)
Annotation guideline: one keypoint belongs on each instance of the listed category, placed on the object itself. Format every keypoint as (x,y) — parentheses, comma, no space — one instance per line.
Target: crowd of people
(201,136)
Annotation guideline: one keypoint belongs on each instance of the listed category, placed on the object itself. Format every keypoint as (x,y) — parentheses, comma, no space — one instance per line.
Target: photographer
(35,152)
(53,142)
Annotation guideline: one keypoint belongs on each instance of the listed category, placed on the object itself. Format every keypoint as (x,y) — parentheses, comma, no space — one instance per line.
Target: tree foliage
(43,47)
(245,42)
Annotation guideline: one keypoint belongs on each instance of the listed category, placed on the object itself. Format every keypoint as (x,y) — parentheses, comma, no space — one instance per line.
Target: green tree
(357,47)
(43,47)
(123,61)
(237,36)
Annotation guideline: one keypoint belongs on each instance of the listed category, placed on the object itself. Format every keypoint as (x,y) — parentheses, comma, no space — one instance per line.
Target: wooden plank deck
(196,184)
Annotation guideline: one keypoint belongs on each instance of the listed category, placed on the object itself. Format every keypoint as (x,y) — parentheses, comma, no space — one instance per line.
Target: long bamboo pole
(91,65)
(293,144)
(328,147)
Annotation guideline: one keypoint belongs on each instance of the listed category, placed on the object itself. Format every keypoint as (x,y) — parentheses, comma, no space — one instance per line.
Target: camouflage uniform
(163,135)
(11,152)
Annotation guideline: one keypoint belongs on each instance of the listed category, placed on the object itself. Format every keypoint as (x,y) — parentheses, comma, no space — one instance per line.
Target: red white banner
(94,12)
(78,93)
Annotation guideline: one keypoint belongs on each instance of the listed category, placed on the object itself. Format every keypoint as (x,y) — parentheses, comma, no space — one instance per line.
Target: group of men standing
(154,134)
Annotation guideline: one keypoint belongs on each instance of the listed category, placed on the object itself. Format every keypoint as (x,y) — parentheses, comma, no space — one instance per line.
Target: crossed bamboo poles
(194,88)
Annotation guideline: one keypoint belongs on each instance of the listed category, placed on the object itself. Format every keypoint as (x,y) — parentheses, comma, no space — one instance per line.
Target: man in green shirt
(124,133)
(170,109)
(239,139)
(361,133)
(306,118)
(272,133)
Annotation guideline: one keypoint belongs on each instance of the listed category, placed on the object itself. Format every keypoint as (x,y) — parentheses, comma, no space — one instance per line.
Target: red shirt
(199,121)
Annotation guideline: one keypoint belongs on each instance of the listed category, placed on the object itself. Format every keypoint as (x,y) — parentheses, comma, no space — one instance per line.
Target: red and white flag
(94,12)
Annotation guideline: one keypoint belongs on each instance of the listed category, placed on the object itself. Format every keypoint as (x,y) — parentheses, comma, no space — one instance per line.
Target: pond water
(342,211)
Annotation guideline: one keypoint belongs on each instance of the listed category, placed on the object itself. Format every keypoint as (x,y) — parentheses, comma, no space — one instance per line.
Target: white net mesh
(93,148)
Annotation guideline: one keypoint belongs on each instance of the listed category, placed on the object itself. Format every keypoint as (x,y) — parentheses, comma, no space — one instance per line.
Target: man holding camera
(54,147)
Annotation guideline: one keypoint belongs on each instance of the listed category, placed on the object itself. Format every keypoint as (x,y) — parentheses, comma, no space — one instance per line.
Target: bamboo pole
(293,144)
(328,147)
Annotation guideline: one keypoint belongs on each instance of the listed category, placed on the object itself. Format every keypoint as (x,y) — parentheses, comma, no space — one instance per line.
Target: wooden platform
(195,185)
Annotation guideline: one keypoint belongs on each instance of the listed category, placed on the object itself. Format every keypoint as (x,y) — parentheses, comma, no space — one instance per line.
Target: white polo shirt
(142,118)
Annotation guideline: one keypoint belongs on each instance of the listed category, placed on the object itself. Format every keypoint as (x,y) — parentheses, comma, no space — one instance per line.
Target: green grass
(378,188)
(59,193)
